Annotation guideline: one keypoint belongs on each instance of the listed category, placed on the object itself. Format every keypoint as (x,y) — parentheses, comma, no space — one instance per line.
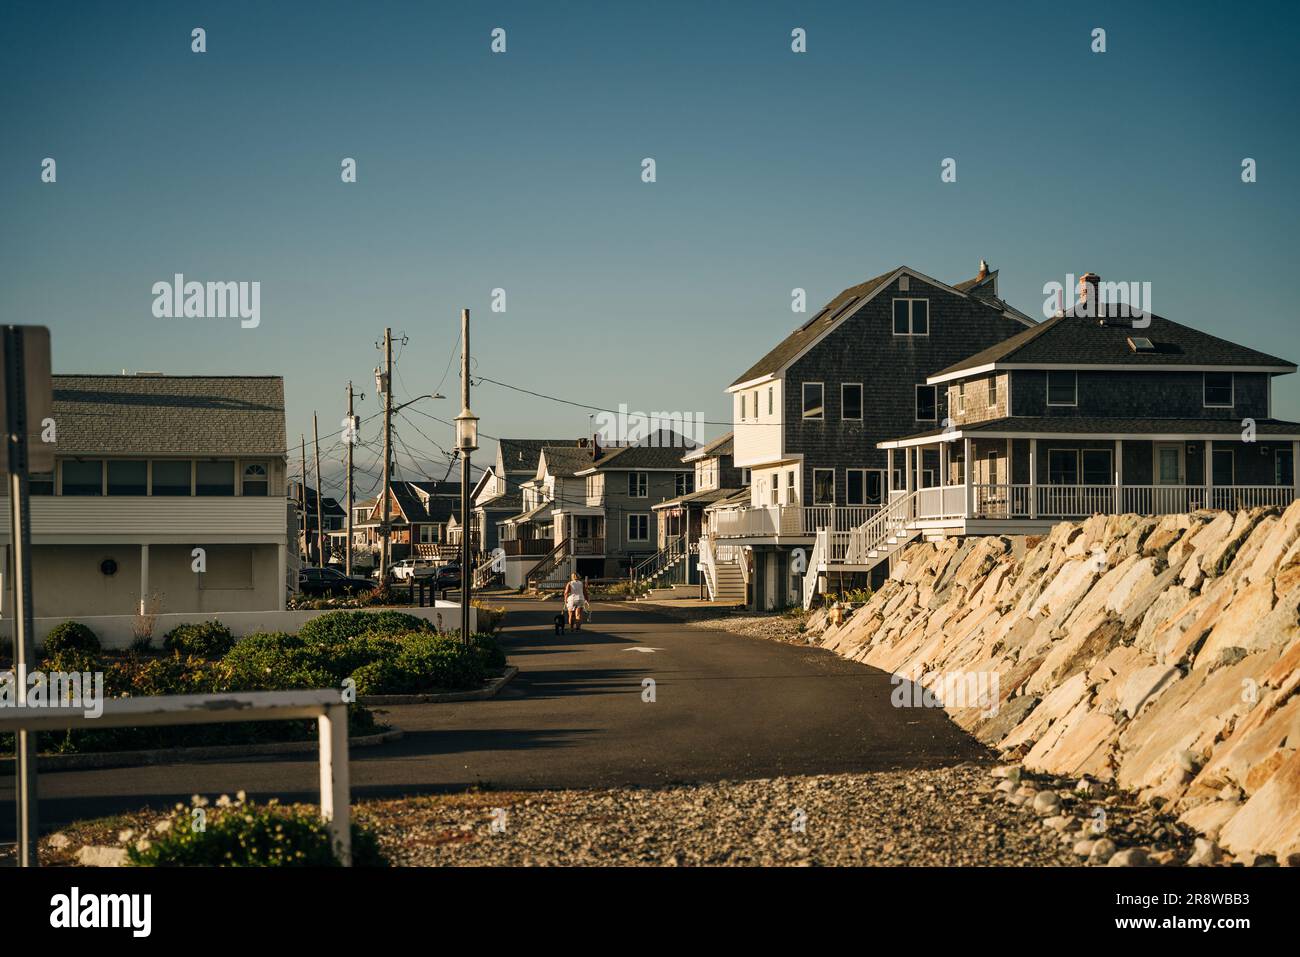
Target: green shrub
(425,661)
(71,659)
(490,653)
(336,626)
(247,835)
(71,636)
(275,661)
(206,639)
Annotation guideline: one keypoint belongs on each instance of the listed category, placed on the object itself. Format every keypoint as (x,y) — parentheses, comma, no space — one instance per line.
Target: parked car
(330,581)
(448,577)
(414,568)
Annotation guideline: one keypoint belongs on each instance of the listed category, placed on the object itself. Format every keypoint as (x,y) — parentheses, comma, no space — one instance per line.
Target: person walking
(575,599)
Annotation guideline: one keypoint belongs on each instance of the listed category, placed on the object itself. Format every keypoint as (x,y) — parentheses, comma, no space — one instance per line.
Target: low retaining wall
(1162,654)
(115,631)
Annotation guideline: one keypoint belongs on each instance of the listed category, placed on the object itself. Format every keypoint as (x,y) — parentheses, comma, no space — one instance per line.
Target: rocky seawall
(1158,654)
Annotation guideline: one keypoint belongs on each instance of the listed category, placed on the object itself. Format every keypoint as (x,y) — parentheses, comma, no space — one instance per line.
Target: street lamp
(466,430)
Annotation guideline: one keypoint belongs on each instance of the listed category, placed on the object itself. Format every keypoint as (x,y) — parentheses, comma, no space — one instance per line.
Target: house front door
(1171,495)
(1169,464)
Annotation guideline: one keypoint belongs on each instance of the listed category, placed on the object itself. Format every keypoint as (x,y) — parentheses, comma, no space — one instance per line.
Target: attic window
(1141,344)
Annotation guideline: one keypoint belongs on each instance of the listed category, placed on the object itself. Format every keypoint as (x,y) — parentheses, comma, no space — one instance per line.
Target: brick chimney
(1088,289)
(595,447)
(984,271)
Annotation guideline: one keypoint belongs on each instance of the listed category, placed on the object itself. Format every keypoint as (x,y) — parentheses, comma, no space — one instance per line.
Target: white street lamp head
(466,430)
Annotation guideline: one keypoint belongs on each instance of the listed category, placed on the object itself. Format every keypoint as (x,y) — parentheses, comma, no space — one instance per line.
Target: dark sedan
(330,581)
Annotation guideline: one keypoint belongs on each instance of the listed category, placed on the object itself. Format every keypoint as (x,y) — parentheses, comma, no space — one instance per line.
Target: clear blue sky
(522,171)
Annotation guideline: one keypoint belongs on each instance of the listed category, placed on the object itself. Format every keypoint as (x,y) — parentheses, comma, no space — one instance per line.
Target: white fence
(326,706)
(787,519)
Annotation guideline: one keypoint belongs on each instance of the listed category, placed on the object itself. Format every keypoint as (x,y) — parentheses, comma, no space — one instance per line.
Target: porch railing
(1073,501)
(787,519)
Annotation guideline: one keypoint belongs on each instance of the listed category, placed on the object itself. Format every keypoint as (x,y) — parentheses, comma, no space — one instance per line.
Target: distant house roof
(1106,426)
(844,305)
(509,502)
(169,415)
(329,506)
(520,455)
(737,498)
(723,445)
(565,461)
(1077,341)
(705,497)
(660,457)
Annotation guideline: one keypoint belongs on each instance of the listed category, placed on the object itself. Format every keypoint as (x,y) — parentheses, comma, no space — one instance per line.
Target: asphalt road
(726,708)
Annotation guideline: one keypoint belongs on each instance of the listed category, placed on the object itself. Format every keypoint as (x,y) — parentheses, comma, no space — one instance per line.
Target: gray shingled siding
(864,349)
(619,552)
(1158,394)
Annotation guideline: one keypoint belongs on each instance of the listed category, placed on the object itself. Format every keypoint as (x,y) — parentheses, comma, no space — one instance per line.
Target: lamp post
(466,443)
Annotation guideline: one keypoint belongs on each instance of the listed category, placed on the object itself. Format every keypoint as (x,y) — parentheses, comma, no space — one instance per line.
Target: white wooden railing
(1073,501)
(327,706)
(787,519)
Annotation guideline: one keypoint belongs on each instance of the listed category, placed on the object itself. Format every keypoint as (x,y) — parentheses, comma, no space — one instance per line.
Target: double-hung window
(823,486)
(1062,388)
(1218,390)
(638,485)
(927,403)
(638,528)
(814,406)
(851,401)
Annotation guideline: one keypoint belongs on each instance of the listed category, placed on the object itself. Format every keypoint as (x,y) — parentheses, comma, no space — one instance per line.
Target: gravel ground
(950,816)
(969,815)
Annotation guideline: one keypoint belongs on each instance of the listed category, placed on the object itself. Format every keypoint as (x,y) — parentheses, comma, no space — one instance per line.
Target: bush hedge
(206,639)
(70,636)
(248,835)
(383,653)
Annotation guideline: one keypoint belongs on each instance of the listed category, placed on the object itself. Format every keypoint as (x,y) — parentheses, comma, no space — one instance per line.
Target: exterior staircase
(862,548)
(670,565)
(553,570)
(724,571)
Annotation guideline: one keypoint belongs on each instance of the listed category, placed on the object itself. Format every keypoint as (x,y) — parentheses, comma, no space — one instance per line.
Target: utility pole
(387,383)
(320,526)
(349,439)
(303,439)
(466,441)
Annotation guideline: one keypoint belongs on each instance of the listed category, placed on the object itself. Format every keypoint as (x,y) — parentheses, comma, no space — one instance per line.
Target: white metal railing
(327,706)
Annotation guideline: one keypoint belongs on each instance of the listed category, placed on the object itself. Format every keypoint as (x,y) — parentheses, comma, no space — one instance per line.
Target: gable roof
(722,445)
(846,304)
(520,455)
(1077,341)
(169,415)
(564,461)
(661,457)
(812,330)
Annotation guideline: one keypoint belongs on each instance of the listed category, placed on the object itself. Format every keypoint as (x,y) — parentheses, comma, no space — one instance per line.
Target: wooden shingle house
(808,415)
(1092,411)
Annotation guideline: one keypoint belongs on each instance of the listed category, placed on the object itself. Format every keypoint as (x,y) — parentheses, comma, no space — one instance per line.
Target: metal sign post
(28,404)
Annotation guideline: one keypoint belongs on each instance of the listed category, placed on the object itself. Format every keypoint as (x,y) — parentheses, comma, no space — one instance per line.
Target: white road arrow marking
(644,651)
